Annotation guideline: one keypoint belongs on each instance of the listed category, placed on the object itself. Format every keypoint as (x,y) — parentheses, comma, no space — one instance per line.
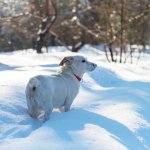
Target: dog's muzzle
(93,66)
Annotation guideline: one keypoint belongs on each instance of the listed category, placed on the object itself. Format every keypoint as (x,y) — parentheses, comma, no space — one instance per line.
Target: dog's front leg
(68,104)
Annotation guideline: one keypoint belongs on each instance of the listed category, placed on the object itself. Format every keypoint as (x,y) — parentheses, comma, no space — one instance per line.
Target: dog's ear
(66,60)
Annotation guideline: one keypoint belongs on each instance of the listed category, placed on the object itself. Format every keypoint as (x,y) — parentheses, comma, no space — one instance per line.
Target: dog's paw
(41,116)
(62,109)
(72,109)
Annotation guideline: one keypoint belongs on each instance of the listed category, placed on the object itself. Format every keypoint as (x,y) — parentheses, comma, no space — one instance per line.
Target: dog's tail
(33,84)
(31,88)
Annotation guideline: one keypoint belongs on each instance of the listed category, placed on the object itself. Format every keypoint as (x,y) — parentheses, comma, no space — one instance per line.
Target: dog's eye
(83,61)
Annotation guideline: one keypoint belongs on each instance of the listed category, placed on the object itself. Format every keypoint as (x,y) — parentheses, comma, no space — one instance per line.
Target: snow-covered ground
(111,112)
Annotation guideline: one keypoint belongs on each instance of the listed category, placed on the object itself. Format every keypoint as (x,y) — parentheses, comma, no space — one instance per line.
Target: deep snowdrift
(112,110)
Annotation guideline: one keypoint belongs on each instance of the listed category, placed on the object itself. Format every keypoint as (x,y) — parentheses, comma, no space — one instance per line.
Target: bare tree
(46,24)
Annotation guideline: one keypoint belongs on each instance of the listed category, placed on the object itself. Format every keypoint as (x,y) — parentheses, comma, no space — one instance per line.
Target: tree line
(118,24)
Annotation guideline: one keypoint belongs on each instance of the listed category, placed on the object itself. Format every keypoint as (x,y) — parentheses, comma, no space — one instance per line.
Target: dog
(43,93)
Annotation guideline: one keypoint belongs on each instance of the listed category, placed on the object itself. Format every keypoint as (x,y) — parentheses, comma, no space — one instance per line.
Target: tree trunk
(77,47)
(46,25)
(111,52)
(121,30)
(105,49)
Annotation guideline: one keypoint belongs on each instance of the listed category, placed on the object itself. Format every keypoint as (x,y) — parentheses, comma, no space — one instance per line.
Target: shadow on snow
(77,119)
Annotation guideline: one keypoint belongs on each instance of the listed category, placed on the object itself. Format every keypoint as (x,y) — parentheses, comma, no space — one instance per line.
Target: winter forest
(97,51)
(117,24)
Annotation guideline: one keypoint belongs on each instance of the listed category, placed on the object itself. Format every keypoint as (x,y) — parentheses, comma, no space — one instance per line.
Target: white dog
(43,93)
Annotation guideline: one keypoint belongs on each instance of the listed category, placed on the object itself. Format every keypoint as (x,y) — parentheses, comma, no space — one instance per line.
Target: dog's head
(78,63)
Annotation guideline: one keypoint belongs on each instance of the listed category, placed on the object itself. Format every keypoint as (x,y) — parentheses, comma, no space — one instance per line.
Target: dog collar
(77,77)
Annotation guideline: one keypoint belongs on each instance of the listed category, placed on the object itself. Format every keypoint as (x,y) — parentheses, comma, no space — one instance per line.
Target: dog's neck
(69,70)
(77,77)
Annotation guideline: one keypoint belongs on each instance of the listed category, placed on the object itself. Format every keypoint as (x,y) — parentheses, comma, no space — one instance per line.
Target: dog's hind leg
(47,107)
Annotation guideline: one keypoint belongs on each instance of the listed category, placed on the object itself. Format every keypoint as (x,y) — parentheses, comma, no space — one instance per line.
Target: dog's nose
(94,65)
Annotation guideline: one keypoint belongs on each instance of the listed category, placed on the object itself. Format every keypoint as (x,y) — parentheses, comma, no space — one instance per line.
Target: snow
(111,110)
